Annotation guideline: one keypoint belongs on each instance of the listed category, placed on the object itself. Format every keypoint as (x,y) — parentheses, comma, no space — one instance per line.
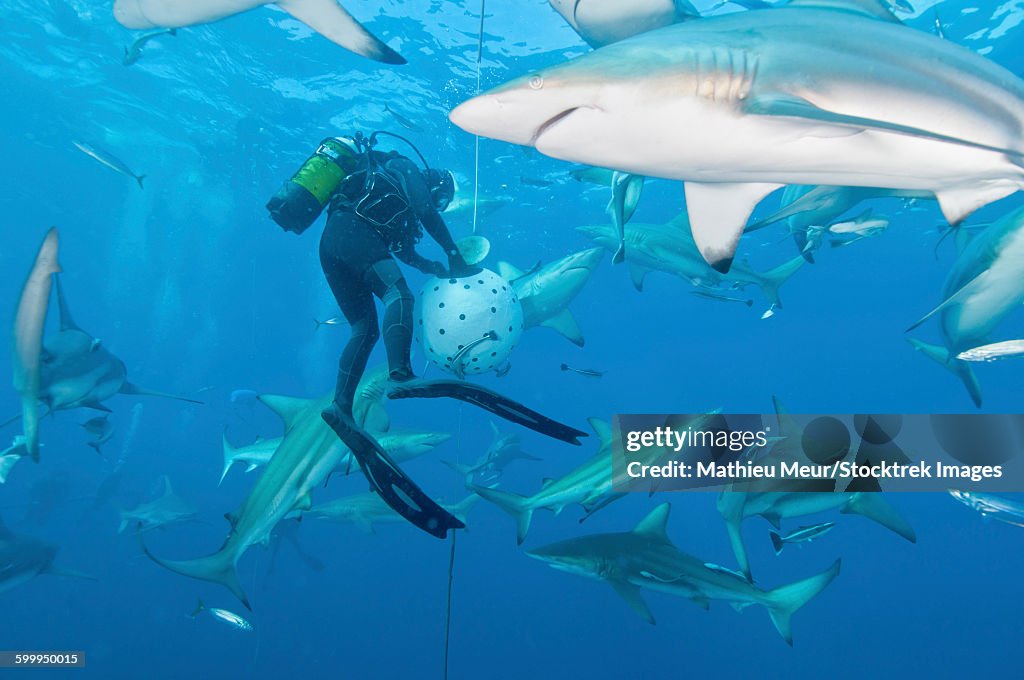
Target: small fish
(457,363)
(768,313)
(110,161)
(589,372)
(230,618)
(711,295)
(801,535)
(333,321)
(134,51)
(726,570)
(402,120)
(535,182)
(994,351)
(992,506)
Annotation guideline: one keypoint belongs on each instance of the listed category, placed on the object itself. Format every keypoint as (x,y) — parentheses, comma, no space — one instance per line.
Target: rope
(476,159)
(448,619)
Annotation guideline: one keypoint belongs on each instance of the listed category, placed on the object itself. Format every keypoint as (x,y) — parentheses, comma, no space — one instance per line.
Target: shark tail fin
(873,506)
(327,18)
(784,601)
(199,608)
(777,542)
(229,457)
(957,367)
(516,506)
(216,568)
(771,280)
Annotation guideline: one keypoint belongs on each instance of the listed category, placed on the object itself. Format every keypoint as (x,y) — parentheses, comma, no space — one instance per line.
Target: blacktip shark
(991,506)
(77,370)
(29,322)
(134,51)
(488,469)
(736,506)
(669,248)
(366,510)
(326,17)
(546,293)
(307,455)
(819,92)
(159,512)
(983,287)
(109,160)
(645,558)
(22,558)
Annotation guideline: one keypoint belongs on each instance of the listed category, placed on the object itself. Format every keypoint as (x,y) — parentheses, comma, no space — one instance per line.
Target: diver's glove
(457,266)
(437,269)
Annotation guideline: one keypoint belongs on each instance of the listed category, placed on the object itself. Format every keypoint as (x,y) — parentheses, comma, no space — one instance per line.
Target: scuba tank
(300,200)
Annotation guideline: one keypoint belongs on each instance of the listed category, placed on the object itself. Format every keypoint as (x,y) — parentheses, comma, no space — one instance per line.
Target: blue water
(200,293)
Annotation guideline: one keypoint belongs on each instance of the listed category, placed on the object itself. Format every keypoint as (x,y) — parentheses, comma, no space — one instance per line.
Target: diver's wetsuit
(356,259)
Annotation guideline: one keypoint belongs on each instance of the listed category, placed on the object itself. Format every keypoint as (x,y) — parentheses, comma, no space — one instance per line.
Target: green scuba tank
(301,199)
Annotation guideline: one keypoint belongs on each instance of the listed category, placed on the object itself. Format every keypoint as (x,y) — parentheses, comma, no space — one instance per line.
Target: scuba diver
(379,204)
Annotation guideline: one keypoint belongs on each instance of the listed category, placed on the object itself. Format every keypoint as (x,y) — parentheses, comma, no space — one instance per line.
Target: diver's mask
(442,187)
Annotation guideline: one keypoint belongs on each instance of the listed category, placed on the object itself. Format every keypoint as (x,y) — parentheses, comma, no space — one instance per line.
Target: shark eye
(536,81)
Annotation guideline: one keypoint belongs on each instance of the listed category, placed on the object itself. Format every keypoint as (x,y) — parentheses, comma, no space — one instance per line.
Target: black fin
(390,483)
(489,401)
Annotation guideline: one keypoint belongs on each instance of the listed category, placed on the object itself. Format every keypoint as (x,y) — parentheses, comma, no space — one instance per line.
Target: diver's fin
(131,388)
(784,601)
(390,483)
(874,507)
(718,213)
(564,324)
(489,401)
(330,20)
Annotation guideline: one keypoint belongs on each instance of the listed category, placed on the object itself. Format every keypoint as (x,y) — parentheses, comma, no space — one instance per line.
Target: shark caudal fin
(216,568)
(784,601)
(777,542)
(517,506)
(771,280)
(957,367)
(873,506)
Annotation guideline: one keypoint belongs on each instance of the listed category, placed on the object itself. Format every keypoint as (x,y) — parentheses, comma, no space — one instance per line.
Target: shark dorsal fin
(168,491)
(287,408)
(876,9)
(655,523)
(508,271)
(788,427)
(603,431)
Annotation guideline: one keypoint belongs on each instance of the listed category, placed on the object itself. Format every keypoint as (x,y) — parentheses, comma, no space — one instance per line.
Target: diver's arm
(408,255)
(419,200)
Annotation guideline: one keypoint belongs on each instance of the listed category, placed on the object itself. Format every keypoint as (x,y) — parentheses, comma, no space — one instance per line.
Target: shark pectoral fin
(773,518)
(508,271)
(739,549)
(566,325)
(869,8)
(303,503)
(631,594)
(701,601)
(231,518)
(958,203)
(718,213)
(963,292)
(376,419)
(634,189)
(330,20)
(94,405)
(874,507)
(637,275)
(288,409)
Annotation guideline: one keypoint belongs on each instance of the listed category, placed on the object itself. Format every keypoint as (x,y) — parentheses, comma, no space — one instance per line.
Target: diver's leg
(355,299)
(389,285)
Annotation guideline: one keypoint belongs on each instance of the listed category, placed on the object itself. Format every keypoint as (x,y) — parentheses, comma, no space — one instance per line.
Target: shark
(77,370)
(603,22)
(645,558)
(326,17)
(160,512)
(982,288)
(735,505)
(819,92)
(504,449)
(546,293)
(308,453)
(11,455)
(400,445)
(22,558)
(29,322)
(669,248)
(367,510)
